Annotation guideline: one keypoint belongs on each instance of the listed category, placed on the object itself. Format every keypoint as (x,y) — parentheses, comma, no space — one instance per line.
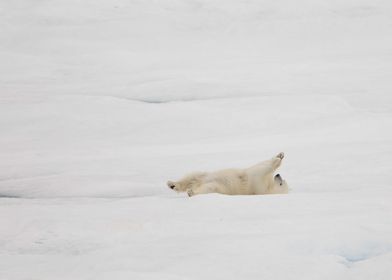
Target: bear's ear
(279,179)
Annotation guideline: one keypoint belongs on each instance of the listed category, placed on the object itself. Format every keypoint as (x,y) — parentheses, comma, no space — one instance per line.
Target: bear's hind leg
(204,188)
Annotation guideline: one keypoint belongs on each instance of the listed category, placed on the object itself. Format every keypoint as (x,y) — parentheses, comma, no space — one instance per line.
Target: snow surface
(101,102)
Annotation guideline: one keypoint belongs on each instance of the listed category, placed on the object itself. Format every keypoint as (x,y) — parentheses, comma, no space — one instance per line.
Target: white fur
(257,179)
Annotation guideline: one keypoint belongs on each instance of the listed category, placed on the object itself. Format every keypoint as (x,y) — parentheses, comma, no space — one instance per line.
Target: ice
(102,102)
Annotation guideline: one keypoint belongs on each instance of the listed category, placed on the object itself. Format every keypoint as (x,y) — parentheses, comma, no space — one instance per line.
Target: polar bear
(257,179)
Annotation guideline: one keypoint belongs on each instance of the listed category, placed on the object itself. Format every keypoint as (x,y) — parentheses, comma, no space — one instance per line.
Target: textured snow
(102,102)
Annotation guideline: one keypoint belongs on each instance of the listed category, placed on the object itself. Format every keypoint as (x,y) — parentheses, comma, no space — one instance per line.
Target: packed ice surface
(102,102)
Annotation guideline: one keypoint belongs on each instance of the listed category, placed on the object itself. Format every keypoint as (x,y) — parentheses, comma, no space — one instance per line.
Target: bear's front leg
(280,155)
(274,162)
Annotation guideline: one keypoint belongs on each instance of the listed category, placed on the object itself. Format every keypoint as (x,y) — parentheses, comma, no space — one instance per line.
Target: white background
(102,102)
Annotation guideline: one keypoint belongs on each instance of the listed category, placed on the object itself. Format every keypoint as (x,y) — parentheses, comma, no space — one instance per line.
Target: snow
(102,102)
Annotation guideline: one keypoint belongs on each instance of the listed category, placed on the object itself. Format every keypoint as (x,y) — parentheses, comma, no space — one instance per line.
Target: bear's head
(279,183)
